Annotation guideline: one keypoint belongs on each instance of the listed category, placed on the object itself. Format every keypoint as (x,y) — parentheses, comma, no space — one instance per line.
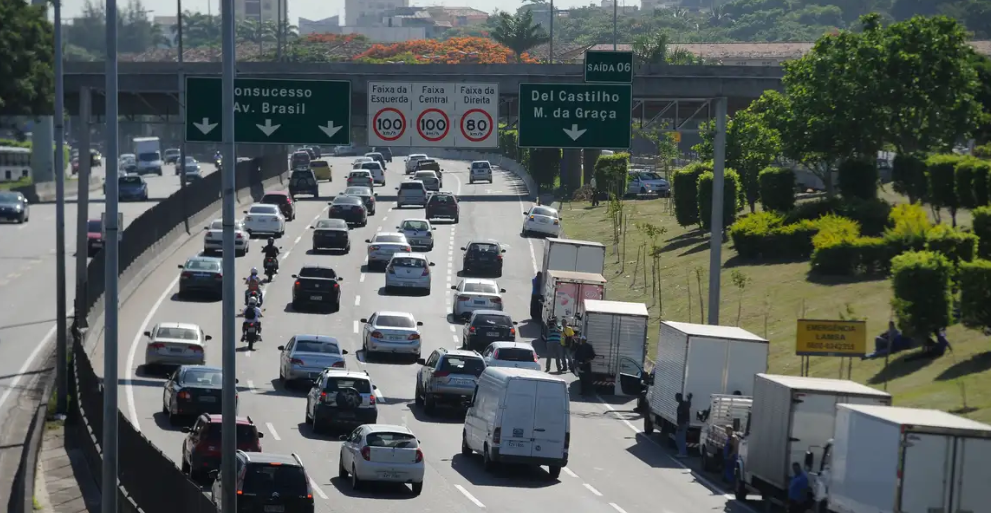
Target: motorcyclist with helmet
(252,314)
(254,283)
(271,251)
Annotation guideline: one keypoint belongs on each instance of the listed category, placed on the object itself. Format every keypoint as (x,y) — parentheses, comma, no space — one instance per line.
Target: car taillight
(498,257)
(535,357)
(371,199)
(497,435)
(495,354)
(373,248)
(471,330)
(366,452)
(323,397)
(419,456)
(197,349)
(339,365)
(567,440)
(464,298)
(184,395)
(156,345)
(496,300)
(371,399)
(406,249)
(296,284)
(337,285)
(296,361)
(512,331)
(376,334)
(187,275)
(441,374)
(426,272)
(356,209)
(239,237)
(557,221)
(413,336)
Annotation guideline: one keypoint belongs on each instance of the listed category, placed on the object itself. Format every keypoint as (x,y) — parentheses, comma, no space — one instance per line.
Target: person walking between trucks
(553,344)
(729,454)
(798,489)
(568,347)
(584,354)
(535,296)
(684,419)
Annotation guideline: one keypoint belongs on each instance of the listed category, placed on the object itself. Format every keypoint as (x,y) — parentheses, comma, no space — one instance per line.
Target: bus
(15,163)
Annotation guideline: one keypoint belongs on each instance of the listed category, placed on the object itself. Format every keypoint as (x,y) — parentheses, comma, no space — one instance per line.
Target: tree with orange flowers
(457,50)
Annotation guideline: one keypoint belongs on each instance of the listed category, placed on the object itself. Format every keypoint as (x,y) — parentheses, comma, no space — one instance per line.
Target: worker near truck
(568,349)
(553,345)
(535,296)
(729,453)
(595,192)
(798,489)
(584,354)
(684,420)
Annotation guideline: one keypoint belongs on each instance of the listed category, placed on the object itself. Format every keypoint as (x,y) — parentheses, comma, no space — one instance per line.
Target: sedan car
(349,209)
(360,178)
(382,453)
(173,343)
(541,220)
(443,205)
(476,294)
(485,327)
(316,285)
(331,234)
(94,236)
(408,272)
(480,170)
(201,274)
(305,357)
(132,187)
(391,332)
(191,171)
(366,195)
(193,390)
(264,220)
(412,160)
(515,355)
(419,233)
(482,257)
(383,245)
(213,239)
(14,207)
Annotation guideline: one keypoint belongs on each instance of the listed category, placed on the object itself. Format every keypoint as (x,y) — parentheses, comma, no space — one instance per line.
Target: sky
(319,9)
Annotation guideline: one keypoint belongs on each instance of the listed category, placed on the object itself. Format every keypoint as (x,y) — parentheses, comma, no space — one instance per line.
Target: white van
(519,416)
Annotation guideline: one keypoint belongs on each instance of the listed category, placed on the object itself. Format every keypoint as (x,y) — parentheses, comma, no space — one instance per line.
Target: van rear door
(550,420)
(518,418)
(925,472)
(971,474)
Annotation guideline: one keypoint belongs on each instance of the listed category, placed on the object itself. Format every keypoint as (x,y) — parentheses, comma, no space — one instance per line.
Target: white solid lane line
(271,429)
(569,472)
(592,489)
(132,352)
(313,484)
(356,326)
(470,497)
(16,380)
(617,508)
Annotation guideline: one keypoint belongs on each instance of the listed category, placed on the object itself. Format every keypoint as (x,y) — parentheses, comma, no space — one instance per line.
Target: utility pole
(551,42)
(82,204)
(181,164)
(60,309)
(615,31)
(716,224)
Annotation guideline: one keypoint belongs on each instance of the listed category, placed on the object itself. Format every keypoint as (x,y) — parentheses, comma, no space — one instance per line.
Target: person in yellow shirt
(568,341)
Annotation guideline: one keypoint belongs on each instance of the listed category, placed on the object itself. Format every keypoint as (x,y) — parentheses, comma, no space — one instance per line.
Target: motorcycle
(251,334)
(257,294)
(271,267)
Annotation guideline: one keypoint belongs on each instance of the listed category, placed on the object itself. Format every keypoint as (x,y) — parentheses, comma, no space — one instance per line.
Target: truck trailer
(580,256)
(617,331)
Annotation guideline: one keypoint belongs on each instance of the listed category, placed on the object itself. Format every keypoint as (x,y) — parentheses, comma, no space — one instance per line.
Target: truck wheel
(706,461)
(739,488)
(648,425)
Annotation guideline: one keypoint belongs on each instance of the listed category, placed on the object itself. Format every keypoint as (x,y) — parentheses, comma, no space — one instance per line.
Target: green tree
(198,30)
(518,32)
(27,81)
(135,31)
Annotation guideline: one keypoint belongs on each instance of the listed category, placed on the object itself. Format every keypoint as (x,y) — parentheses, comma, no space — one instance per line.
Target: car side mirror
(524,212)
(236,381)
(148,334)
(206,227)
(375,387)
(503,251)
(368,241)
(208,337)
(397,188)
(375,194)
(454,287)
(261,435)
(421,361)
(343,438)
(515,323)
(294,276)
(502,291)
(244,211)
(309,227)
(419,323)
(185,430)
(432,264)
(344,351)
(433,228)
(330,202)
(181,266)
(365,321)
(398,228)
(281,348)
(462,249)
(340,278)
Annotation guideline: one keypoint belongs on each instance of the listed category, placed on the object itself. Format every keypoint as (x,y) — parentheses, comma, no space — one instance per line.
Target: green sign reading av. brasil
(609,67)
(271,111)
(586,116)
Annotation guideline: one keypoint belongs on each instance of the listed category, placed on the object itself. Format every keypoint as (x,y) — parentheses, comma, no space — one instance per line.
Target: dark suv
(443,204)
(268,482)
(303,182)
(201,448)
(482,257)
(341,399)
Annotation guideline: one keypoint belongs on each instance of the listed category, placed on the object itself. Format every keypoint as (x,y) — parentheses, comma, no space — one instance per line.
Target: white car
(412,160)
(518,355)
(542,220)
(407,272)
(375,168)
(264,219)
(173,344)
(359,161)
(430,180)
(383,245)
(361,178)
(419,233)
(213,240)
(476,294)
(383,453)
(391,332)
(480,170)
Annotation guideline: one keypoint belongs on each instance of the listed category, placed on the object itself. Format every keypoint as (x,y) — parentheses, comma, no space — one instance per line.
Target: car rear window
(347,200)
(420,226)
(319,163)
(331,224)
(195,377)
(94,226)
(540,211)
(363,386)
(360,174)
(418,263)
(441,198)
(129,180)
(482,165)
(481,288)
(177,333)
(462,365)
(514,354)
(245,433)
(394,321)
(409,186)
(502,321)
(484,248)
(391,440)
(389,239)
(317,272)
(263,209)
(202,265)
(275,199)
(315,346)
(264,480)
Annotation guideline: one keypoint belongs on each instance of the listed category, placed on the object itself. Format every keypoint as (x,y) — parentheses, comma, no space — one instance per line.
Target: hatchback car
(201,274)
(383,245)
(480,170)
(304,182)
(131,188)
(412,160)
(201,447)
(14,207)
(360,178)
(283,200)
(408,272)
(322,169)
(349,209)
(411,193)
(264,220)
(430,180)
(391,332)
(94,236)
(515,355)
(419,233)
(331,234)
(173,344)
(193,390)
(485,327)
(482,257)
(382,453)
(213,239)
(443,205)
(476,294)
(267,482)
(541,220)
(447,376)
(341,399)
(377,171)
(366,195)
(305,357)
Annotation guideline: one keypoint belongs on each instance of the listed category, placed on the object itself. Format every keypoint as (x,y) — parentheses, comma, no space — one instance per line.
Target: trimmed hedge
(923,299)
(941,175)
(833,230)
(847,257)
(611,173)
(909,227)
(982,183)
(731,198)
(544,165)
(685,183)
(964,175)
(749,234)
(982,228)
(974,279)
(858,179)
(908,172)
(955,244)
(777,189)
(873,215)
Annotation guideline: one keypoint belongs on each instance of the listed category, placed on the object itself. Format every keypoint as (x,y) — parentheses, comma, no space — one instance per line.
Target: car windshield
(651,176)
(317,272)
(315,346)
(363,386)
(514,354)
(149,157)
(194,377)
(347,200)
(462,365)
(246,433)
(498,321)
(129,180)
(275,199)
(418,263)
(543,211)
(391,440)
(420,226)
(263,209)
(481,247)
(91,226)
(264,480)
(394,321)
(202,265)
(481,288)
(9,197)
(329,224)
(482,165)
(409,186)
(441,198)
(389,239)
(190,161)
(177,333)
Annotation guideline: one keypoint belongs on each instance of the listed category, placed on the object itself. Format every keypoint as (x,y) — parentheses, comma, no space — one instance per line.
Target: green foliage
(858,179)
(777,189)
(963,182)
(813,210)
(27,81)
(910,224)
(923,301)
(909,176)
(518,32)
(731,205)
(508,144)
(544,165)
(750,232)
(872,215)
(982,228)
(953,243)
(793,241)
(974,279)
(136,33)
(685,185)
(847,257)
(834,229)
(982,182)
(611,173)
(941,173)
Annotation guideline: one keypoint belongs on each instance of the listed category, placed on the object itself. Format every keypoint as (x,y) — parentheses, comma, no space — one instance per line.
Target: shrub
(908,171)
(813,210)
(983,151)
(731,198)
(875,254)
(793,241)
(508,144)
(909,225)
(544,165)
(955,244)
(777,189)
(982,228)
(963,182)
(611,173)
(982,183)
(835,229)
(839,257)
(923,299)
(858,179)
(872,215)
(685,182)
(941,174)
(974,279)
(751,232)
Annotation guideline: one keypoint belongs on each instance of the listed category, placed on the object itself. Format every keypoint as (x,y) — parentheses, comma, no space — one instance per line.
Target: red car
(94,236)
(283,200)
(201,448)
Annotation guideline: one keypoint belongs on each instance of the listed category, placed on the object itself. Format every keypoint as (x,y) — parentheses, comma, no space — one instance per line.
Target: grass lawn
(776,296)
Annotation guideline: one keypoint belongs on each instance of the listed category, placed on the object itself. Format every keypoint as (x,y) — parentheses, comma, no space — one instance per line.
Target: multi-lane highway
(611,467)
(28,296)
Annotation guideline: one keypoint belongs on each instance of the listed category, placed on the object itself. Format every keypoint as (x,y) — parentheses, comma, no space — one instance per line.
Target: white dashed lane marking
(356,326)
(592,489)
(271,429)
(470,497)
(357,300)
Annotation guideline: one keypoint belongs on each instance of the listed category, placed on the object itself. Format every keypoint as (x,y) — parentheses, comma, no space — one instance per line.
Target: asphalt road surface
(611,467)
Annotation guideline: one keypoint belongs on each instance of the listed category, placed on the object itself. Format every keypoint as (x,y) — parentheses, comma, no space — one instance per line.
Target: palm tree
(651,48)
(718,16)
(198,30)
(519,33)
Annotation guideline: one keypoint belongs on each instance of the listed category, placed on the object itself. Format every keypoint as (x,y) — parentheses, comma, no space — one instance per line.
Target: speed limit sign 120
(389,124)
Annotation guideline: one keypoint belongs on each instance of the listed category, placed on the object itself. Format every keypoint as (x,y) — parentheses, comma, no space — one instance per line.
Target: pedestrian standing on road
(729,454)
(535,296)
(553,345)
(595,192)
(798,489)
(684,419)
(568,347)
(584,354)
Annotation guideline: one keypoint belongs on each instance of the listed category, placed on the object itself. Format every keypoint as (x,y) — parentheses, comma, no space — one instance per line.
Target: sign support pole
(82,205)
(716,223)
(60,308)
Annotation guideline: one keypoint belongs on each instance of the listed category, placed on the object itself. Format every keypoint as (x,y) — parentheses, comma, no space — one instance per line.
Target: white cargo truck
(580,256)
(791,421)
(886,459)
(566,290)
(148,151)
(701,360)
(617,331)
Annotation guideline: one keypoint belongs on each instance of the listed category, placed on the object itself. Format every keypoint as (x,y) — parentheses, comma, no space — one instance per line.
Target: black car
(377,157)
(193,390)
(350,209)
(201,274)
(331,234)
(386,153)
(443,205)
(14,207)
(316,151)
(482,257)
(316,285)
(303,182)
(284,201)
(268,482)
(365,194)
(485,327)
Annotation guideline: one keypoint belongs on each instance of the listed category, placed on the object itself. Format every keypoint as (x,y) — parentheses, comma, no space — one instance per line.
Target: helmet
(252,301)
(271,241)
(254,271)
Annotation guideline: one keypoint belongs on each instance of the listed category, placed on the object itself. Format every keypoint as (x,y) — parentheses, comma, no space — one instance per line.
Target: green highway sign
(271,111)
(609,66)
(575,116)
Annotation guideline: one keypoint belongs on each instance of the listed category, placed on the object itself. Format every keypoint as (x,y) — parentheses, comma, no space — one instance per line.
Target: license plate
(407,284)
(202,275)
(479,301)
(174,350)
(395,337)
(208,399)
(542,221)
(346,415)
(492,333)
(461,382)
(251,331)
(274,509)
(316,298)
(516,445)
(390,475)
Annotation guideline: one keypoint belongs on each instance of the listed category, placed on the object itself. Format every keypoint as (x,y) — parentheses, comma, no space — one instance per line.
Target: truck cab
(724,410)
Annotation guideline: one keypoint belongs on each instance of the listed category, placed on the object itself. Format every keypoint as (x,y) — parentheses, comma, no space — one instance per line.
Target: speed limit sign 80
(476,125)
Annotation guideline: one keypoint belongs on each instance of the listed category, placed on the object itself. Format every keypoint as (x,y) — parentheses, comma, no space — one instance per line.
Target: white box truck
(565,291)
(792,416)
(148,151)
(580,256)
(886,460)
(617,331)
(701,360)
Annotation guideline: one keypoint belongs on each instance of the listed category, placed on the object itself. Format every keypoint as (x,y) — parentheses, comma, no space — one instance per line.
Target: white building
(330,25)
(354,10)
(264,10)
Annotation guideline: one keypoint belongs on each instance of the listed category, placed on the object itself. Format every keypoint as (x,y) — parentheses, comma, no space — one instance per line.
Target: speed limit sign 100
(389,124)
(476,125)
(433,125)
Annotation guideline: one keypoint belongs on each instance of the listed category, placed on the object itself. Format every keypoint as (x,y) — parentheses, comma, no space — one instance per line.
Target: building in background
(166,23)
(264,10)
(330,25)
(458,16)
(356,10)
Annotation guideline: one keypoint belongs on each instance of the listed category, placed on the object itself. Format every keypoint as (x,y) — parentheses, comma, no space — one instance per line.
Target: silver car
(173,344)
(419,233)
(476,294)
(383,245)
(430,180)
(408,271)
(213,240)
(391,332)
(306,356)
(360,178)
(412,160)
(447,376)
(413,192)
(480,170)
